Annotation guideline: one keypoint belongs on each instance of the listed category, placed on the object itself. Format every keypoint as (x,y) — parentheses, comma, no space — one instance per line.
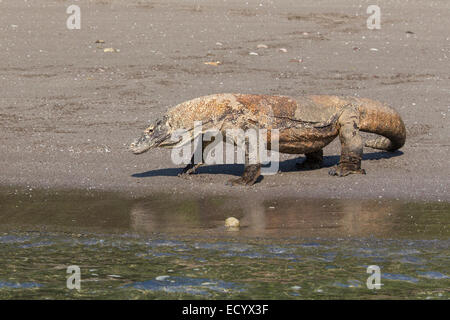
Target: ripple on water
(433,275)
(184,285)
(278,250)
(14,239)
(331,267)
(413,260)
(37,244)
(17,285)
(250,255)
(329,256)
(165,243)
(91,242)
(349,284)
(399,277)
(223,246)
(311,245)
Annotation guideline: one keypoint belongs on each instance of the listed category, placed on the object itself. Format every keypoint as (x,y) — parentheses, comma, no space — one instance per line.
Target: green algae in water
(167,247)
(130,267)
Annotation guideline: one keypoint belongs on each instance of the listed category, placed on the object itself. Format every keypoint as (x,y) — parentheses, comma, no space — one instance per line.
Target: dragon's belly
(305,140)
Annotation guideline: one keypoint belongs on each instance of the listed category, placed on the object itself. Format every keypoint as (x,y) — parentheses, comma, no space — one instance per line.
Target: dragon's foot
(349,164)
(189,169)
(342,171)
(248,178)
(237,182)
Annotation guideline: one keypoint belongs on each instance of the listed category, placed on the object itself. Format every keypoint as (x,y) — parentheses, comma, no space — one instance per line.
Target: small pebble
(110,50)
(213,63)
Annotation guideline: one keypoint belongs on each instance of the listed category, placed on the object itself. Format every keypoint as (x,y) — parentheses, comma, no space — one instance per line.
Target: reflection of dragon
(304,125)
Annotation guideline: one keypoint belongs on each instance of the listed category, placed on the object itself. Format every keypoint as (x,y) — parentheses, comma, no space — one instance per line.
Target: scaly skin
(305,126)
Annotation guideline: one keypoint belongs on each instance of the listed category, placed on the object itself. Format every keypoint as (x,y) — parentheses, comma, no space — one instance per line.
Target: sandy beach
(68,109)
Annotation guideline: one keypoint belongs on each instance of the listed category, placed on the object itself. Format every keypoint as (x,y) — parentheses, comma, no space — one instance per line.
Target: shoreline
(188,188)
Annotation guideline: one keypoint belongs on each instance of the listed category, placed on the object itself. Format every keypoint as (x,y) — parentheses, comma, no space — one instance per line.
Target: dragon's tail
(378,118)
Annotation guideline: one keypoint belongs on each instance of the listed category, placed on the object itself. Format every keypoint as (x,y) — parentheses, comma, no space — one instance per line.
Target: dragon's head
(154,136)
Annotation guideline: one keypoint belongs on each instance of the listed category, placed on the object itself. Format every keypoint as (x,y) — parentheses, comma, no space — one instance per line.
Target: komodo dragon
(305,126)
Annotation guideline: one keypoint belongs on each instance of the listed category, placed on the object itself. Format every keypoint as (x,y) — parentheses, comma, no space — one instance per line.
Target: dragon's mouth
(146,143)
(182,141)
(136,149)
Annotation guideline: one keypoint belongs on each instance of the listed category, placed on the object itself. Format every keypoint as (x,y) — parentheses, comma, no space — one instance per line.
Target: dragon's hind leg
(313,160)
(351,145)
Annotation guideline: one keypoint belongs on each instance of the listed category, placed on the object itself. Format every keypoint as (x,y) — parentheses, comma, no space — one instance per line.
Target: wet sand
(68,110)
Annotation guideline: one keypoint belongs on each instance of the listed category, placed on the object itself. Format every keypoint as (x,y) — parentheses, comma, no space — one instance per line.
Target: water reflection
(293,217)
(163,213)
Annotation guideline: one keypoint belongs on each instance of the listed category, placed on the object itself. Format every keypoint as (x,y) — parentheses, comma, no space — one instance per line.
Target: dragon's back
(249,110)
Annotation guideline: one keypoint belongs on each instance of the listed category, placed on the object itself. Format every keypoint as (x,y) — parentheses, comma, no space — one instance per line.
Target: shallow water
(164,247)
